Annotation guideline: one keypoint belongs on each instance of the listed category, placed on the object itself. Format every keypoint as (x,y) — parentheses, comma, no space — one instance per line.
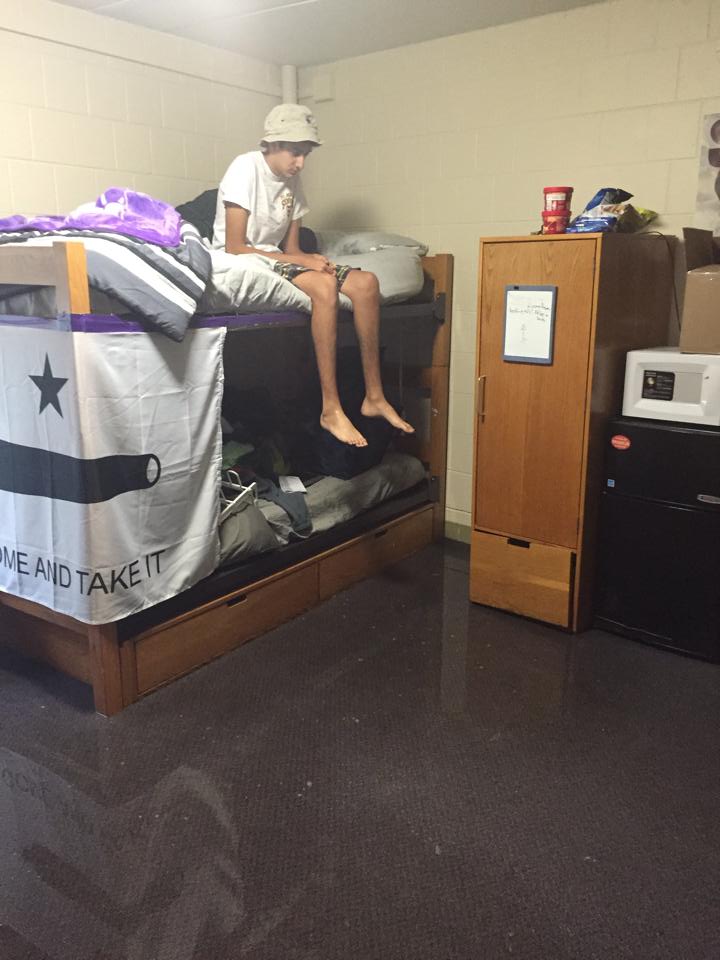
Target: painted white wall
(454,139)
(87,102)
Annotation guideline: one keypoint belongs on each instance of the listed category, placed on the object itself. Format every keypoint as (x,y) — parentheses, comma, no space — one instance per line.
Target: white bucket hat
(291,122)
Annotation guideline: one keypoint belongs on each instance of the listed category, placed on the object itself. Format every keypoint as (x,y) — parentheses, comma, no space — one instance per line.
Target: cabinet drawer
(532,579)
(362,557)
(184,644)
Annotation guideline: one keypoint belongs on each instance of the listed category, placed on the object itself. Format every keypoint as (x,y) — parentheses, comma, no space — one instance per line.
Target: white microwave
(664,384)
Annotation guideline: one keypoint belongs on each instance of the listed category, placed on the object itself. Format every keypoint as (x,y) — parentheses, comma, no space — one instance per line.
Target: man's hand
(315,261)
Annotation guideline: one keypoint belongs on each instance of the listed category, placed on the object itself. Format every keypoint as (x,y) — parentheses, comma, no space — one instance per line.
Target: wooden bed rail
(62,265)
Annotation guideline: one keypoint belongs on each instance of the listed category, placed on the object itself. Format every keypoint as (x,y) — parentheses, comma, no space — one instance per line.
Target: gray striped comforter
(159,285)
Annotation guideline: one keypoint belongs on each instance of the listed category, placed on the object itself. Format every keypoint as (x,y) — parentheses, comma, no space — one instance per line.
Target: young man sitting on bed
(259,210)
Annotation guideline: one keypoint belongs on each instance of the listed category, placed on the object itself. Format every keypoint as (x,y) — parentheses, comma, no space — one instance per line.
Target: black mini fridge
(659,539)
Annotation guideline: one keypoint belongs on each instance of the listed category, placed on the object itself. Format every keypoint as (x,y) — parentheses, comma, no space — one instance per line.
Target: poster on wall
(707,210)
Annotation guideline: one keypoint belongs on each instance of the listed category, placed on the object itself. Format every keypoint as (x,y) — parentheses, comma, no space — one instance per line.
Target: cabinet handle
(480,398)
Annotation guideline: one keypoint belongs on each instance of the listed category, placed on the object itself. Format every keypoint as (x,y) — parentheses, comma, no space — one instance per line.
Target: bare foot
(342,429)
(381,408)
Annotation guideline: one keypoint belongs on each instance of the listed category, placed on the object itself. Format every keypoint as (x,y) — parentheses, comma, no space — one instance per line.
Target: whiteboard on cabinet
(529,324)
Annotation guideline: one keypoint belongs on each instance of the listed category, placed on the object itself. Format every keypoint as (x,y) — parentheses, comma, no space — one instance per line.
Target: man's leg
(322,290)
(362,288)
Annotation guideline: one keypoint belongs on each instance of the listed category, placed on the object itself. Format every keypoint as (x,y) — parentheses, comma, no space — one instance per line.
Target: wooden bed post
(72,294)
(440,268)
(105,668)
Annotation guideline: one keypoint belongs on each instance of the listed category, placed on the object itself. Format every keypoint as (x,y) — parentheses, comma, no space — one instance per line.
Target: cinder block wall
(449,140)
(455,139)
(87,102)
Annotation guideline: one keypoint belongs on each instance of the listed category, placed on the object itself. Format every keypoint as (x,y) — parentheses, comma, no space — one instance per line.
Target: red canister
(555,221)
(558,198)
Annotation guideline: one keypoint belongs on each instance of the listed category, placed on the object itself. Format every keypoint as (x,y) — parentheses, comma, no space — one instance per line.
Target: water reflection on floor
(395,774)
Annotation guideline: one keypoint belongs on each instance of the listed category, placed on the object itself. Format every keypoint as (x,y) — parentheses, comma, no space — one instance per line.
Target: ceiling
(309,32)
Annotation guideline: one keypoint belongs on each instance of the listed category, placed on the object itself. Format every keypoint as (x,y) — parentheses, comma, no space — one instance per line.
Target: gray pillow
(336,243)
(398,269)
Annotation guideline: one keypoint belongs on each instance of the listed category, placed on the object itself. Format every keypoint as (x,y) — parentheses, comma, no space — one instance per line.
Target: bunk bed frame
(129,658)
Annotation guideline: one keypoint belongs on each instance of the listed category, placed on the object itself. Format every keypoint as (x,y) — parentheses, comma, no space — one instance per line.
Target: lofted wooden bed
(128,658)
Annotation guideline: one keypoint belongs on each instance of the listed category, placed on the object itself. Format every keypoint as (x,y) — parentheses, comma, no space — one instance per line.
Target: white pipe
(289,78)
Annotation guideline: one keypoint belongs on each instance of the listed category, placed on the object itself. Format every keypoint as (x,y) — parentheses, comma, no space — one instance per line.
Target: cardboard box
(700,330)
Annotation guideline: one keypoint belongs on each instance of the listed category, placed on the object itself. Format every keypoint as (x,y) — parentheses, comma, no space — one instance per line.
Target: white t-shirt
(271,201)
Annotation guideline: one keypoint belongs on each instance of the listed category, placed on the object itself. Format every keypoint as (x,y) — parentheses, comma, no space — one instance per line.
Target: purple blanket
(115,211)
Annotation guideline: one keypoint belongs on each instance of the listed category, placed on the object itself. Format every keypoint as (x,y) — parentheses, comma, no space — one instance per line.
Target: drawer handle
(240,598)
(514,542)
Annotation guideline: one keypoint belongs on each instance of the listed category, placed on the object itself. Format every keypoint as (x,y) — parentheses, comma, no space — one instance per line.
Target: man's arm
(291,243)
(291,247)
(236,224)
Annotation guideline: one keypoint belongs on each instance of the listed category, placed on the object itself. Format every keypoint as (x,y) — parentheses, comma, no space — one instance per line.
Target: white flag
(110,454)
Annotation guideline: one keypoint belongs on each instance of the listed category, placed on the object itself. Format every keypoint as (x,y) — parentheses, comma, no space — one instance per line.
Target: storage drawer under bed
(368,554)
(180,645)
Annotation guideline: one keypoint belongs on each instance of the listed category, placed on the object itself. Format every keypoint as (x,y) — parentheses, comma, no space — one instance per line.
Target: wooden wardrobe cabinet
(539,429)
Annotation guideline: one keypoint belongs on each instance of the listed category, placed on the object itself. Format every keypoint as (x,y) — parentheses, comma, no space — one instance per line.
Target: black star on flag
(49,387)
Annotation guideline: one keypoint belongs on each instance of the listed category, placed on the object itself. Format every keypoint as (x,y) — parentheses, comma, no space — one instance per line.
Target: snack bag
(633,218)
(601,214)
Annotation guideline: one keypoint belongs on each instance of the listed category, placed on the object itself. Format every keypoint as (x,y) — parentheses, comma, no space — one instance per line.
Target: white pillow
(336,243)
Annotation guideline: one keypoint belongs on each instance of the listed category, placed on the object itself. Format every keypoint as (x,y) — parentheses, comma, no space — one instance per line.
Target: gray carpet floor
(396,775)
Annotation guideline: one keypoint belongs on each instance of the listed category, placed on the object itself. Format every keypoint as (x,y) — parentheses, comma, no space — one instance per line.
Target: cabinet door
(529,440)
